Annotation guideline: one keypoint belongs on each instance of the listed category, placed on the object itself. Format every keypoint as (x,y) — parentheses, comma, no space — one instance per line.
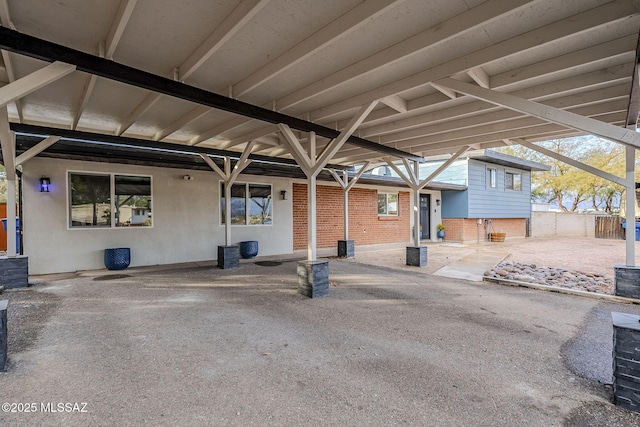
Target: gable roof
(495,157)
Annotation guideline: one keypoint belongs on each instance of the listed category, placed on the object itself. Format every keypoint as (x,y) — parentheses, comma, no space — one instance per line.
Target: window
(492,177)
(250,204)
(513,181)
(388,204)
(97,200)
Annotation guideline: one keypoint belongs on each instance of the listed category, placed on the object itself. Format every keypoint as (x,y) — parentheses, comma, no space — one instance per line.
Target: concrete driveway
(202,346)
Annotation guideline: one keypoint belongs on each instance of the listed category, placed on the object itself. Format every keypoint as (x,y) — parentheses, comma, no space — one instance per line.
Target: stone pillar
(313,278)
(417,256)
(346,249)
(228,257)
(627,281)
(14,272)
(3,335)
(626,360)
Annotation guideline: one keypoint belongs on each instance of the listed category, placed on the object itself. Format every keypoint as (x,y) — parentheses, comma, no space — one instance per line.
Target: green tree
(568,186)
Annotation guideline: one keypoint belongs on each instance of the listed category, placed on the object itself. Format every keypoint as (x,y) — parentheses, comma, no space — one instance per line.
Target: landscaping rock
(530,273)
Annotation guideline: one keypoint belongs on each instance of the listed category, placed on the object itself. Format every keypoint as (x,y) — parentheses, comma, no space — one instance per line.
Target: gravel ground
(597,256)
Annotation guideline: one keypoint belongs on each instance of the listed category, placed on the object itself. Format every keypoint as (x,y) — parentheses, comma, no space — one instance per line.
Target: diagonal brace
(34,81)
(572,162)
(544,112)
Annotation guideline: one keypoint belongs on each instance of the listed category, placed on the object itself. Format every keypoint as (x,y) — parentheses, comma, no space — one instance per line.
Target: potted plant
(440,228)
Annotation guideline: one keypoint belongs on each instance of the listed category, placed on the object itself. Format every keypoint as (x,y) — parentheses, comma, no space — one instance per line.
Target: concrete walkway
(473,266)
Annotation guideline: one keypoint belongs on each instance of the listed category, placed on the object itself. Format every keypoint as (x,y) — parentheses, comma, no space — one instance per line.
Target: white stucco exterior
(186,219)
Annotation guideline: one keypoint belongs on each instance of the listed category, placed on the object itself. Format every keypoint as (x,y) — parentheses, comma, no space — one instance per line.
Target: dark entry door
(424,216)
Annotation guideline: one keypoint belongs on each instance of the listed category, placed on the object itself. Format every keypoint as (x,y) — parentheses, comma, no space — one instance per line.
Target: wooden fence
(609,227)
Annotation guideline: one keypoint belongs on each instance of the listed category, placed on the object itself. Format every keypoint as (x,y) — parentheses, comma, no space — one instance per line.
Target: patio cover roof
(447,73)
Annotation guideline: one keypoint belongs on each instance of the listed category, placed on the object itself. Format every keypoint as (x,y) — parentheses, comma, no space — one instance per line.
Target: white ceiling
(322,60)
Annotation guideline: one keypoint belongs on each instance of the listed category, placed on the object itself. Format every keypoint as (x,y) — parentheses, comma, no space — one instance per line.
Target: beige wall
(186,219)
(561,224)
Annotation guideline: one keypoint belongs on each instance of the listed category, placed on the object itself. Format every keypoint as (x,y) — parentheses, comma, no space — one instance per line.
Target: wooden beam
(48,51)
(296,149)
(363,13)
(242,163)
(479,76)
(544,112)
(8,145)
(570,161)
(442,167)
(232,24)
(37,149)
(413,185)
(213,166)
(125,10)
(355,179)
(335,145)
(34,81)
(396,102)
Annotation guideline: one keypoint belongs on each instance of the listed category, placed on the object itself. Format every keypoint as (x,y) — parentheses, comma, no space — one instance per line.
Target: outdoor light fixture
(44,184)
(437,202)
(283,194)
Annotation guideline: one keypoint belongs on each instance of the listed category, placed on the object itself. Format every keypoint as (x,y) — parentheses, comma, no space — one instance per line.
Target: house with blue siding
(497,197)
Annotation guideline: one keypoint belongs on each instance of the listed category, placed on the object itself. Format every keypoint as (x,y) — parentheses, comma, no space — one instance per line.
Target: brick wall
(365,226)
(466,229)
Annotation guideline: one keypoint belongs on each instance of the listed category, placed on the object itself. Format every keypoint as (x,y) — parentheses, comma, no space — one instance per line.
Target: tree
(570,187)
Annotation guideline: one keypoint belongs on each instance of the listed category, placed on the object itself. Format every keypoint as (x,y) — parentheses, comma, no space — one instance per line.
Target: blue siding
(485,202)
(455,204)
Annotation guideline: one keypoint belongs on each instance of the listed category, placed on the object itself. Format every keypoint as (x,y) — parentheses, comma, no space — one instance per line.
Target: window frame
(386,213)
(112,197)
(513,181)
(247,203)
(492,178)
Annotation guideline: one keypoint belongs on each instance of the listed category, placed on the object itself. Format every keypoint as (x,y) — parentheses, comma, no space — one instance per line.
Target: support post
(626,281)
(4,338)
(345,178)
(416,206)
(346,247)
(631,207)
(229,255)
(11,218)
(311,217)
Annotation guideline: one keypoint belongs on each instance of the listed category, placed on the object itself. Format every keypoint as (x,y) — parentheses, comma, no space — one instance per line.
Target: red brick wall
(365,226)
(466,229)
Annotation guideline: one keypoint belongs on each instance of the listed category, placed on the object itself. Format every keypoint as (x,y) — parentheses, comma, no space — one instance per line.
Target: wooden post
(631,207)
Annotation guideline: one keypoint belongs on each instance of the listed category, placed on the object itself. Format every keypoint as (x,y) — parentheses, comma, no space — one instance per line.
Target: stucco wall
(551,224)
(186,219)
